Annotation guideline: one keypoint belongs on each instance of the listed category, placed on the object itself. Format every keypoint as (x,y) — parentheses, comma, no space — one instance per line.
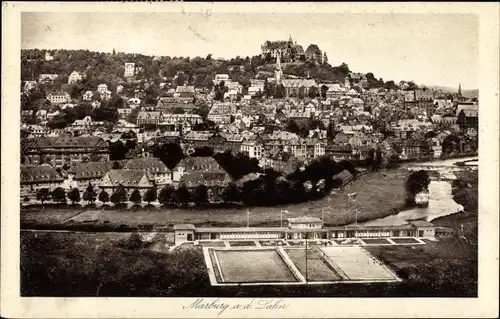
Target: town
(117,127)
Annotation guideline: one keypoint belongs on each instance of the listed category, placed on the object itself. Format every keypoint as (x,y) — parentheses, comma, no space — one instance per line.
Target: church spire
(460,89)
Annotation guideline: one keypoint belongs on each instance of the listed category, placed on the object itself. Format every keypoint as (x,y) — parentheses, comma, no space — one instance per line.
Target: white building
(101,88)
(74,77)
(129,69)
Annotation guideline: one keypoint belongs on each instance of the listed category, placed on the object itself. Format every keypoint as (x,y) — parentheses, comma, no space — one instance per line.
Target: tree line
(269,187)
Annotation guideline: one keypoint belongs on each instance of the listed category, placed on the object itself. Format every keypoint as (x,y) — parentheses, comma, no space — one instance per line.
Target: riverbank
(380,194)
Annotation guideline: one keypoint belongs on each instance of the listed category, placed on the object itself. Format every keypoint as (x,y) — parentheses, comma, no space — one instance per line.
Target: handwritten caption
(224,305)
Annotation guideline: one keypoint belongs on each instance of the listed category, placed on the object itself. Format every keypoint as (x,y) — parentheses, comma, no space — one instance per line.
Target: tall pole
(281,219)
(306,257)
(248,218)
(322,217)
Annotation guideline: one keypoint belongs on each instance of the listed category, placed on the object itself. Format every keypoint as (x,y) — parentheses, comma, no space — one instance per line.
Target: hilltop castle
(290,51)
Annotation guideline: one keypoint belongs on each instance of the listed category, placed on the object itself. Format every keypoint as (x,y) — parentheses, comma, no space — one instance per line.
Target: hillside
(109,68)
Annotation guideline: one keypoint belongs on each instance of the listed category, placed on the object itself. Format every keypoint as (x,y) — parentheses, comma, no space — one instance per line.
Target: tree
(231,193)
(183,197)
(169,153)
(43,194)
(417,182)
(89,195)
(117,151)
(119,195)
(167,195)
(103,197)
(203,151)
(313,92)
(136,197)
(59,195)
(150,195)
(324,89)
(200,195)
(74,195)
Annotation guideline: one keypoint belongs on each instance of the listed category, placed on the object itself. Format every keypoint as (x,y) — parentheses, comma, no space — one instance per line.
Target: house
(196,164)
(220,113)
(130,179)
(90,172)
(41,115)
(298,87)
(85,124)
(304,222)
(180,119)
(149,118)
(254,148)
(129,69)
(119,89)
(194,171)
(106,95)
(74,77)
(48,56)
(87,96)
(134,102)
(65,150)
(184,93)
(313,53)
(101,88)
(29,85)
(415,149)
(59,97)
(280,161)
(339,152)
(124,113)
(467,116)
(344,176)
(158,171)
(36,177)
(47,77)
(220,77)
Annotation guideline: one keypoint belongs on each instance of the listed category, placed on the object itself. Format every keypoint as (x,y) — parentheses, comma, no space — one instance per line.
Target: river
(441,202)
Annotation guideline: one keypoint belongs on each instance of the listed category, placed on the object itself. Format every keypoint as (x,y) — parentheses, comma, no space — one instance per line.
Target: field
(317,270)
(253,266)
(379,194)
(357,264)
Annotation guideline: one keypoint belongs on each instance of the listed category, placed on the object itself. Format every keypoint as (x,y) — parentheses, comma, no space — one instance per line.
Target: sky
(430,49)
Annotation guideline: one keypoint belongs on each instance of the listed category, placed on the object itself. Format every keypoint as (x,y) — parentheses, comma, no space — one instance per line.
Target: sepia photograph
(205,155)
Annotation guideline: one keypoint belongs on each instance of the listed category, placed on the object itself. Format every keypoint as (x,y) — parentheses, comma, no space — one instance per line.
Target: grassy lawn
(317,270)
(378,194)
(399,257)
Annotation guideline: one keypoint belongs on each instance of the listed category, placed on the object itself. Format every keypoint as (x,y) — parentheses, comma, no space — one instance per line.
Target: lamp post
(306,256)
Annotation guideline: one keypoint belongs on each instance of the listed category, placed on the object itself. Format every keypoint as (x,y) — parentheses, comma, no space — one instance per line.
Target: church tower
(459,89)
(278,73)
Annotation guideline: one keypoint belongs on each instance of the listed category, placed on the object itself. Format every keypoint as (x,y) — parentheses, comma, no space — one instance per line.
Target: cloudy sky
(431,49)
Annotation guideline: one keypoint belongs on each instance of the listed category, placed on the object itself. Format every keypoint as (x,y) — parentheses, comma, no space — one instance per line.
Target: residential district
(102,120)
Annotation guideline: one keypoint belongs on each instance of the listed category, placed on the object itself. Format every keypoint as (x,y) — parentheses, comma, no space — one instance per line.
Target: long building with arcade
(311,228)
